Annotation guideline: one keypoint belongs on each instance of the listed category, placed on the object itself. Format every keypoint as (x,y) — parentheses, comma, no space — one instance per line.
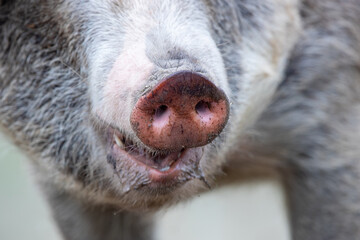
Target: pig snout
(183,111)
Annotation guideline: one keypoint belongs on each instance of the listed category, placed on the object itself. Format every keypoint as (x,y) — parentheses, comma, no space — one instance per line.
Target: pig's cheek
(129,73)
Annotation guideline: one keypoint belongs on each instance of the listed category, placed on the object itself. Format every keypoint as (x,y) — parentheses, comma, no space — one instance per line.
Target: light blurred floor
(253,211)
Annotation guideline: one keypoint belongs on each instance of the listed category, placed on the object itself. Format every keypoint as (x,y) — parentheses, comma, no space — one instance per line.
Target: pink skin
(129,73)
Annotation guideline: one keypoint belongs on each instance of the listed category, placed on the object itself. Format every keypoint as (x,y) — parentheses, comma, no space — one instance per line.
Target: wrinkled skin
(72,71)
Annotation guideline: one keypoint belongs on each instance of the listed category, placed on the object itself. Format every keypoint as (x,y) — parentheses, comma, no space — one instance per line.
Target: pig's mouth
(162,162)
(154,169)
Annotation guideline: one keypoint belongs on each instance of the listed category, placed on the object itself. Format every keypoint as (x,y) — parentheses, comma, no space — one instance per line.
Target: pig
(129,106)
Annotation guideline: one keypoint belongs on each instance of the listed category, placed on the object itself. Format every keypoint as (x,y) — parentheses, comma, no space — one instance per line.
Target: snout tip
(185,110)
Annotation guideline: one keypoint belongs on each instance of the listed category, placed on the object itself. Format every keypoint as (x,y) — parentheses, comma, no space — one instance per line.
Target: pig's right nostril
(161,116)
(160,111)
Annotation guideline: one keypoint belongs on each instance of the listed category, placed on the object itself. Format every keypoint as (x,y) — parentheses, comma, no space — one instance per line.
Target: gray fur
(291,71)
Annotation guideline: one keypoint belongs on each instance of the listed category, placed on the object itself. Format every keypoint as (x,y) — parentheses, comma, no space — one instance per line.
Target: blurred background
(252,211)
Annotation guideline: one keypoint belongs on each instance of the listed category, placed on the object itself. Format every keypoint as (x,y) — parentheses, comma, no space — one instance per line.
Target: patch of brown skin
(185,126)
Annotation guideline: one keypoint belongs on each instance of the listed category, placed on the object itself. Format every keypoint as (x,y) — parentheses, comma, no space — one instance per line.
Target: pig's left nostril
(202,107)
(203,110)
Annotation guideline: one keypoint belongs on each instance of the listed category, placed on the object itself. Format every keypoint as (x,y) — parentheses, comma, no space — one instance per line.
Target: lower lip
(176,174)
(155,175)
(161,177)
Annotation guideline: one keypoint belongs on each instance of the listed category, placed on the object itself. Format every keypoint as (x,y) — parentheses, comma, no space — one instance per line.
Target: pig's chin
(139,169)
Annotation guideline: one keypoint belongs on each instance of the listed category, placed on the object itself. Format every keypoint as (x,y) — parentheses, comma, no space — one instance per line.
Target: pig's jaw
(153,171)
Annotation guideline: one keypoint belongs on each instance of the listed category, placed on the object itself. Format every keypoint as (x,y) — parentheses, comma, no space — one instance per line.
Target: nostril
(160,111)
(202,108)
(161,116)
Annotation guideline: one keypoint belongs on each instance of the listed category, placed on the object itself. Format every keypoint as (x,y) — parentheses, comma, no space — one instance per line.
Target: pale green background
(254,211)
